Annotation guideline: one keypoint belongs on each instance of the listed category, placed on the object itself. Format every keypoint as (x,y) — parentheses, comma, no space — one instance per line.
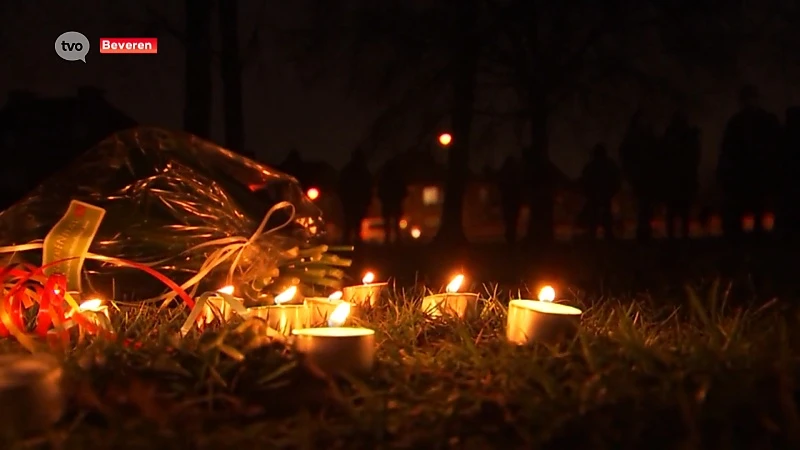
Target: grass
(695,375)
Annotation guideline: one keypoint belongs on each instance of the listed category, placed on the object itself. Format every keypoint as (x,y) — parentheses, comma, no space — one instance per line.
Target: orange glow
(445,139)
(227,290)
(339,315)
(286,295)
(403,224)
(369,277)
(547,294)
(335,296)
(313,193)
(416,233)
(455,284)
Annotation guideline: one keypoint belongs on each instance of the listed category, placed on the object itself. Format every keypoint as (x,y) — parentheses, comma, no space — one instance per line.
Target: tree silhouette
(540,57)
(231,74)
(197,70)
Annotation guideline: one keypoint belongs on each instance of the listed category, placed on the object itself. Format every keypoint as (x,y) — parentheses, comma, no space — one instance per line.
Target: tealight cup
(31,392)
(283,318)
(337,350)
(321,308)
(224,308)
(362,294)
(456,304)
(538,321)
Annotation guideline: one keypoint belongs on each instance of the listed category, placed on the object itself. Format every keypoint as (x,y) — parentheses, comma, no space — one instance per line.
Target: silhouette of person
(510,185)
(600,180)
(355,192)
(747,162)
(638,154)
(680,160)
(787,219)
(392,191)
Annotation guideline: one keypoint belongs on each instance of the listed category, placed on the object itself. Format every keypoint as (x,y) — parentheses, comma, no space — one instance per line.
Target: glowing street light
(445,139)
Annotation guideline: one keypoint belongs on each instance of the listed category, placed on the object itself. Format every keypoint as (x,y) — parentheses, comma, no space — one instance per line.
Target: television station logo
(74,46)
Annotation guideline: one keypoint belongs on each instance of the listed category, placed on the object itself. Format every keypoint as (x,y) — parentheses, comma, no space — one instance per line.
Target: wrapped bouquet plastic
(201,215)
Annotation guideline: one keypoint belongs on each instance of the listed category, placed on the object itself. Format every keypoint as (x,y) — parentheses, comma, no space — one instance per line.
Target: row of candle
(334,348)
(318,324)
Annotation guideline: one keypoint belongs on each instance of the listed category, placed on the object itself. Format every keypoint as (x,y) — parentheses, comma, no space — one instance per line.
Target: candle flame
(286,295)
(547,294)
(335,296)
(455,284)
(227,290)
(369,277)
(339,315)
(94,304)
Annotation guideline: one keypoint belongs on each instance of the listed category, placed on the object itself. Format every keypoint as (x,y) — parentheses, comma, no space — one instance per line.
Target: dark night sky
(280,111)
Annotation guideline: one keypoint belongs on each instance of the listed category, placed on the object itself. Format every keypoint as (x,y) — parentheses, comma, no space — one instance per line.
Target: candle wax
(363,293)
(457,304)
(283,318)
(337,349)
(321,308)
(536,321)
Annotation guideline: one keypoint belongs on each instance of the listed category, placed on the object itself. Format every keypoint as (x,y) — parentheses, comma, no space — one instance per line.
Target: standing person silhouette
(509,184)
(355,192)
(638,154)
(747,163)
(392,192)
(600,180)
(680,160)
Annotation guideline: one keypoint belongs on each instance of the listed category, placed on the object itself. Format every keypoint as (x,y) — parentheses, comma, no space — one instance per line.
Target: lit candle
(451,302)
(31,392)
(336,349)
(281,317)
(95,311)
(220,303)
(320,309)
(367,292)
(541,321)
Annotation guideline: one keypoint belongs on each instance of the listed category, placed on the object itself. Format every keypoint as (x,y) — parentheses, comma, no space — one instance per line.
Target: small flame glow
(455,284)
(335,296)
(445,139)
(286,295)
(339,315)
(368,278)
(57,291)
(313,193)
(547,294)
(416,233)
(94,304)
(227,290)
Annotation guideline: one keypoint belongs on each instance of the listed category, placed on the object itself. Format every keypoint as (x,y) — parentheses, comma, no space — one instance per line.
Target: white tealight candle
(451,302)
(31,392)
(221,304)
(280,317)
(367,293)
(336,349)
(541,321)
(320,309)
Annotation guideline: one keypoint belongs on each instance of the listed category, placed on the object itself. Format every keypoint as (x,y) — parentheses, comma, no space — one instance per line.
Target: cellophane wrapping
(165,193)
